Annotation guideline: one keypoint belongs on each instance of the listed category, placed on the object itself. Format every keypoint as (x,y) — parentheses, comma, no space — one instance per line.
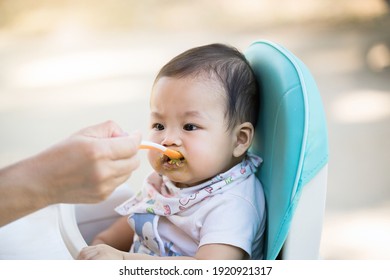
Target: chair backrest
(291,137)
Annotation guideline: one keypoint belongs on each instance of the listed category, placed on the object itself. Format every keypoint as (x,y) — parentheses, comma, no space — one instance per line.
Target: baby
(209,204)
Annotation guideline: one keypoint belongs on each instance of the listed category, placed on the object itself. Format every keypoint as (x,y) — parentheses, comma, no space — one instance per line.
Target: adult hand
(89,165)
(84,168)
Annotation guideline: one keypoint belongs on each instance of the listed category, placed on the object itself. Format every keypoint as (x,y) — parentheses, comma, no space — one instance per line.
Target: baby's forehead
(198,87)
(212,81)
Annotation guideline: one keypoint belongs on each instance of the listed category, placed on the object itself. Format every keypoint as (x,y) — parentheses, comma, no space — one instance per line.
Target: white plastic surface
(304,238)
(80,223)
(34,237)
(69,229)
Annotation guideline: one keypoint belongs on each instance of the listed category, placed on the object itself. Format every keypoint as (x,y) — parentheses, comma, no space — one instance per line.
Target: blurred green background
(68,64)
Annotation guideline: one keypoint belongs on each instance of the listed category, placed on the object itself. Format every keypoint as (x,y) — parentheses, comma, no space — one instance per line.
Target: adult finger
(121,172)
(124,167)
(106,129)
(124,147)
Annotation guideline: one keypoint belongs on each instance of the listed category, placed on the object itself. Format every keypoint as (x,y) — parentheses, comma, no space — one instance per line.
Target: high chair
(291,137)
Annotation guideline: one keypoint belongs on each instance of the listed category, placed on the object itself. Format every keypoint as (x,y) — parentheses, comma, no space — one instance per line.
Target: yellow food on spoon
(172,154)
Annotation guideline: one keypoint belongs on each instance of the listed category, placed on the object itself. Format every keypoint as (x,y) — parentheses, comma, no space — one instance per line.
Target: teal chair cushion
(291,134)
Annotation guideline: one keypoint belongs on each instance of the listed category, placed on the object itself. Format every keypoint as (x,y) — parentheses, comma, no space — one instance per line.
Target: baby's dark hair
(234,74)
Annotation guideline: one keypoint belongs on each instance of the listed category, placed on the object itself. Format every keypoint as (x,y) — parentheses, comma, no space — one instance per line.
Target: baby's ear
(244,136)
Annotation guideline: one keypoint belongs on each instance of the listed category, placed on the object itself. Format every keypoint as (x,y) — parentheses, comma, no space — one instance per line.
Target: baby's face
(188,115)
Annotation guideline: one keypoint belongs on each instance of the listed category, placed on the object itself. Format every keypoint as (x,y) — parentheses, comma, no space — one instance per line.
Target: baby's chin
(181,182)
(180,177)
(177,171)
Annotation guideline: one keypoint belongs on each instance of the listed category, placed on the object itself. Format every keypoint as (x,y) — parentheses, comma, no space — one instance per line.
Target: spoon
(172,154)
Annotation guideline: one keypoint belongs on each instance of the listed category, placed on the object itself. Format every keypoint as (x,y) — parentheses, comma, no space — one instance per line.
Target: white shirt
(228,209)
(235,217)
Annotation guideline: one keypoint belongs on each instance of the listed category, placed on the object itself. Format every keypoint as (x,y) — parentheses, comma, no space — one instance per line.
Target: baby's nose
(171,139)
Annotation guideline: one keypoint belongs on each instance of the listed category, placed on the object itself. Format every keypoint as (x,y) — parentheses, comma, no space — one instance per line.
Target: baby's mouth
(171,162)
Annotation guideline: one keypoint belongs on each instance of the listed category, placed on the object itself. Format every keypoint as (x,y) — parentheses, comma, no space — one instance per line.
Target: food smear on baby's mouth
(172,162)
(176,161)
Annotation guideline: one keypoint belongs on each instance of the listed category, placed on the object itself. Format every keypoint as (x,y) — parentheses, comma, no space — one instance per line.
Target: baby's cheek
(209,163)
(201,165)
(154,159)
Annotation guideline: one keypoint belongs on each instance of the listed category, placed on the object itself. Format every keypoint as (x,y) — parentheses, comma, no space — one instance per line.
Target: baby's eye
(158,126)
(190,127)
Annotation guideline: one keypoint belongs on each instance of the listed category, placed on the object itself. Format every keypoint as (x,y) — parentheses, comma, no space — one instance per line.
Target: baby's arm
(220,252)
(119,235)
(205,252)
